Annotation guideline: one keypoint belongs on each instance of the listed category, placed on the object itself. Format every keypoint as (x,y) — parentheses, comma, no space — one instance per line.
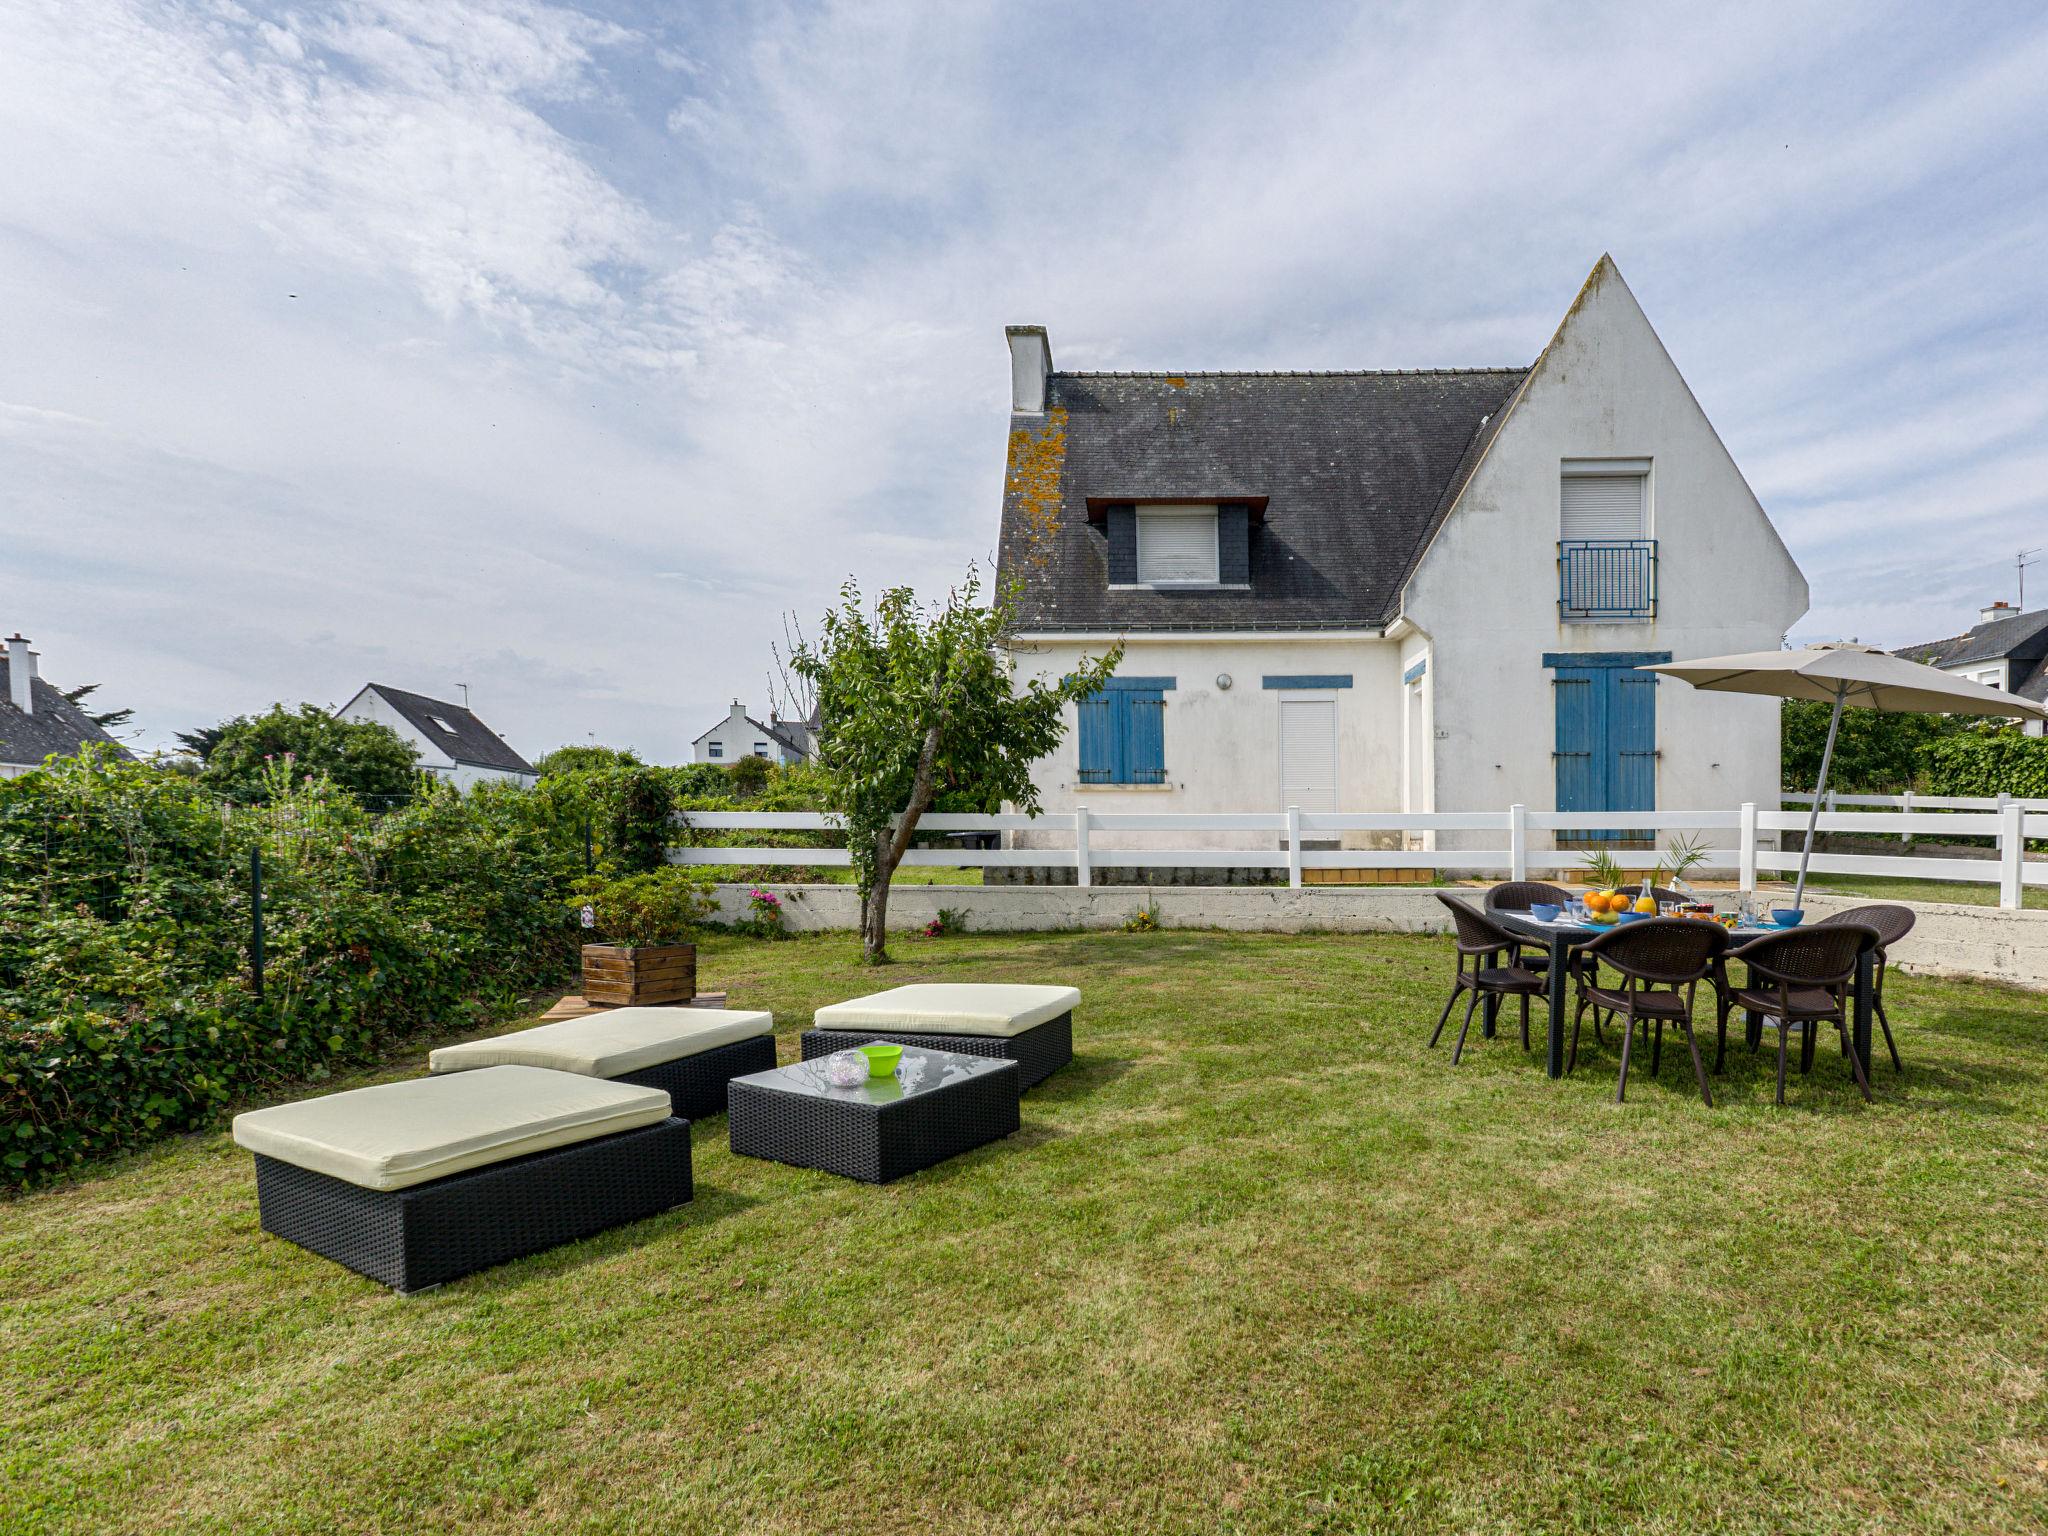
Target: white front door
(1308,751)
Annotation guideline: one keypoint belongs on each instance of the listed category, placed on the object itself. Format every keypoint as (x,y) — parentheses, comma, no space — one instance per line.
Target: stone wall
(1950,939)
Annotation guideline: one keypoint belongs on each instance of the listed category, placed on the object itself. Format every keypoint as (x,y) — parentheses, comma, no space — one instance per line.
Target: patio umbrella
(1843,675)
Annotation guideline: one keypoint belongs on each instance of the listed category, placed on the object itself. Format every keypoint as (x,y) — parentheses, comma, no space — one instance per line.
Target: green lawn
(1258,1262)
(1913,892)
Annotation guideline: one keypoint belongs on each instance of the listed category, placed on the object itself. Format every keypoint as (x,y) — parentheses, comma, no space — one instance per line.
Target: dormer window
(1177,546)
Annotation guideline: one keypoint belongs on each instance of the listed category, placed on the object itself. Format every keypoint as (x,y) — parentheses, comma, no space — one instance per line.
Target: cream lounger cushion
(608,1044)
(952,1008)
(396,1135)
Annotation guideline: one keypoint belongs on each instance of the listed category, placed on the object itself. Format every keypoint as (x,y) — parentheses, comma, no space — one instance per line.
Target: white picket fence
(1734,837)
(1912,802)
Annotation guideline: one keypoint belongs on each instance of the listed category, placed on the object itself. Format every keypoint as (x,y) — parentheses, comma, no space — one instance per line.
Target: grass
(1259,1261)
(1913,892)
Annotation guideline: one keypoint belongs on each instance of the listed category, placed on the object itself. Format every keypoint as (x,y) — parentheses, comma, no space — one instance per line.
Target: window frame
(714,751)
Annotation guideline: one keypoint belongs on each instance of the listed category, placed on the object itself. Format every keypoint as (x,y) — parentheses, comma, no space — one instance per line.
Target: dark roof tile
(57,727)
(1355,471)
(455,731)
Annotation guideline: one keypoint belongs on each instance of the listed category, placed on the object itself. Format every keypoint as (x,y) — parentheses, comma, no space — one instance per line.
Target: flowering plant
(949,920)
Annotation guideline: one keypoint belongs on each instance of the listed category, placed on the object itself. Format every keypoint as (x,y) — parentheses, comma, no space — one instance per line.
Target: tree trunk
(889,849)
(874,910)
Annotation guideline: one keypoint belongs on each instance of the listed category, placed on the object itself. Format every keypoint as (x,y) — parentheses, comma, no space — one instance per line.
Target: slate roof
(58,726)
(778,732)
(467,739)
(1354,472)
(2020,637)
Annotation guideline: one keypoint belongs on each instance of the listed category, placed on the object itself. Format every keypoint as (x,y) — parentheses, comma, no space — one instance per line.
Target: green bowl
(882,1059)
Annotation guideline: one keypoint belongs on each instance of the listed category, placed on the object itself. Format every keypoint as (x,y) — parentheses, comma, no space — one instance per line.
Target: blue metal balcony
(1600,580)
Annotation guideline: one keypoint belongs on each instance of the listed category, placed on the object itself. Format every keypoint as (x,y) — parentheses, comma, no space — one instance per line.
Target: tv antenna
(465,687)
(2021,561)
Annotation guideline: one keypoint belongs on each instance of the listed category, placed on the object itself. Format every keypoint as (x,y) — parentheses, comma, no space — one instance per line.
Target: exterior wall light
(1223,682)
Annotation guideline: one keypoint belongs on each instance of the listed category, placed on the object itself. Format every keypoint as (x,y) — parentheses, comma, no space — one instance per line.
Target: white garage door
(1308,753)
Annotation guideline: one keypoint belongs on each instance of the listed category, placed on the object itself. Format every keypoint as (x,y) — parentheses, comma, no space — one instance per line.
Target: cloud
(559,353)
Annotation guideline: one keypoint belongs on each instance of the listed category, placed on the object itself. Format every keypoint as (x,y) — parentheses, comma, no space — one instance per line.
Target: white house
(740,735)
(453,743)
(1389,591)
(2006,649)
(36,720)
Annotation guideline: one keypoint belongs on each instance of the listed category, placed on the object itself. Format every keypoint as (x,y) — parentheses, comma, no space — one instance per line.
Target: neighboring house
(1395,591)
(740,735)
(453,744)
(36,720)
(2007,650)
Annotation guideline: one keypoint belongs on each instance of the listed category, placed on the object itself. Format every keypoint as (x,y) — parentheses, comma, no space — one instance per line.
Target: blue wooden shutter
(1581,711)
(1101,738)
(1632,738)
(1144,738)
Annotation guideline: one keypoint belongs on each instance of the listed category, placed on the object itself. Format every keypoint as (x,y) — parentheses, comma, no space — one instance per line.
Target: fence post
(256,920)
(1906,837)
(1746,849)
(2012,853)
(1294,847)
(1518,842)
(1083,867)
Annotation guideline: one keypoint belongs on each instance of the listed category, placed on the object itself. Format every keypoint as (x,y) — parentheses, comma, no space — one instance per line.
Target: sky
(563,352)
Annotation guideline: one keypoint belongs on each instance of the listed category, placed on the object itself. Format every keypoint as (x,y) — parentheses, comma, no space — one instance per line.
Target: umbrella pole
(1827,756)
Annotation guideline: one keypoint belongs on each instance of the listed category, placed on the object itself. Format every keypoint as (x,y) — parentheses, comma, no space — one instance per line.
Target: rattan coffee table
(938,1105)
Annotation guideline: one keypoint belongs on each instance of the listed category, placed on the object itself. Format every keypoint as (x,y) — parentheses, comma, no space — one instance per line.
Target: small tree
(370,761)
(106,721)
(916,701)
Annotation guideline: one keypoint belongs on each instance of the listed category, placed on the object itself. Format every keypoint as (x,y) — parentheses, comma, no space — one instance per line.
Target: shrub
(369,761)
(749,776)
(664,906)
(1875,753)
(126,1009)
(1990,760)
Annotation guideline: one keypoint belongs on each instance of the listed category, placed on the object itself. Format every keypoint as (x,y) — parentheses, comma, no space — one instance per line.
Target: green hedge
(1989,761)
(126,1010)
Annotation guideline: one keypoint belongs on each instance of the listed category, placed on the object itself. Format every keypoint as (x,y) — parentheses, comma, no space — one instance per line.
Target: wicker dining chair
(1520,896)
(1892,923)
(1798,979)
(1484,942)
(1661,962)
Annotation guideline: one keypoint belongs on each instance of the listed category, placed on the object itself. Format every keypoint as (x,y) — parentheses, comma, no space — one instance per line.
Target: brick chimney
(21,672)
(1030,362)
(1998,610)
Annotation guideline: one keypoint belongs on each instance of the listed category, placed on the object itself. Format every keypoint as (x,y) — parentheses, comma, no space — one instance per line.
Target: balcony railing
(1601,579)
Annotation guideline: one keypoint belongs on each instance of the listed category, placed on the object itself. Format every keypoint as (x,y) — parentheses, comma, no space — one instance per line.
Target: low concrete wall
(1950,939)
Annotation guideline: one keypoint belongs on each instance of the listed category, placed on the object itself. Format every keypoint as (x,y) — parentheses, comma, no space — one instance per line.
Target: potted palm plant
(640,926)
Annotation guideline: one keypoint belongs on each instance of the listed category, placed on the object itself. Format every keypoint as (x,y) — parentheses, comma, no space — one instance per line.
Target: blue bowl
(1545,914)
(1633,917)
(1788,917)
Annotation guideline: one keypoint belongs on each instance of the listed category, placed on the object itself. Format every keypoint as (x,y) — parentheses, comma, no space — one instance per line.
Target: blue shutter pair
(1606,733)
(1123,732)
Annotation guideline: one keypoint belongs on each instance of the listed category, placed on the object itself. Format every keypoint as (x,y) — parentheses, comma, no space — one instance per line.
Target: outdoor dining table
(1566,935)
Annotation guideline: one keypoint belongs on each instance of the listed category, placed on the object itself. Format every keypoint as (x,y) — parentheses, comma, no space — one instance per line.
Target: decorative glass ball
(846,1069)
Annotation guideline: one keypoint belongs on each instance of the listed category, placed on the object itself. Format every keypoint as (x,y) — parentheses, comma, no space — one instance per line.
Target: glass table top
(920,1071)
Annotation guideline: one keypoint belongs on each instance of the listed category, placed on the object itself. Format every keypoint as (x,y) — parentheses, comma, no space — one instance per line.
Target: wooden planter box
(657,973)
